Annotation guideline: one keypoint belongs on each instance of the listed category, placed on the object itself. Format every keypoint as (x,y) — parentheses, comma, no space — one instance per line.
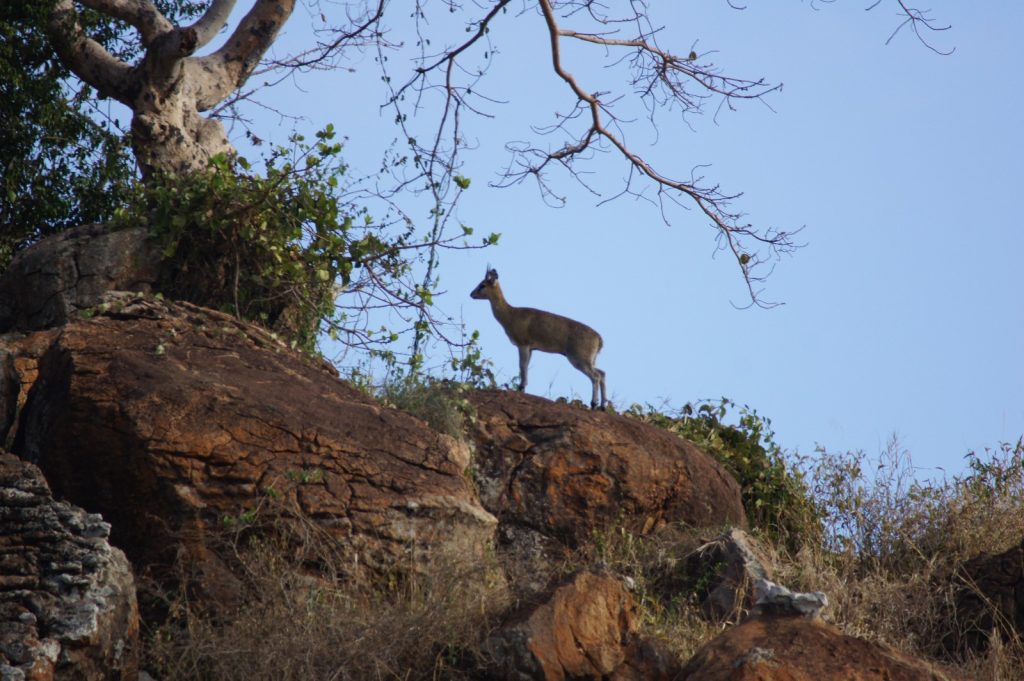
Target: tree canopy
(169,63)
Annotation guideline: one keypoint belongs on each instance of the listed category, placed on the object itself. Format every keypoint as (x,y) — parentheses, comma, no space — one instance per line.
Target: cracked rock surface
(172,420)
(67,598)
(56,279)
(565,472)
(584,628)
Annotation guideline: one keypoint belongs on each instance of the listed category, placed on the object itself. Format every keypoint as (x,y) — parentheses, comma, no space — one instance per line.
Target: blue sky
(902,314)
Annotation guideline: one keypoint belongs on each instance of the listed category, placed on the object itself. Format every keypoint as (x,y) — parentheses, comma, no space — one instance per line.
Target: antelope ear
(492,275)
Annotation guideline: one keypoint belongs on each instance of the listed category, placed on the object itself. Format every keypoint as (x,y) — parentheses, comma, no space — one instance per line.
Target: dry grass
(298,620)
(889,560)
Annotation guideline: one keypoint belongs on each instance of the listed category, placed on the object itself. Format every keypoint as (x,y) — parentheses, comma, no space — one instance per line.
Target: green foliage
(275,249)
(65,161)
(471,367)
(775,493)
(443,404)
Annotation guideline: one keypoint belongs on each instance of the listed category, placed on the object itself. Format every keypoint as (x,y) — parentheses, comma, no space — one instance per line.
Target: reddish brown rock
(802,649)
(67,598)
(171,420)
(566,471)
(586,628)
(19,366)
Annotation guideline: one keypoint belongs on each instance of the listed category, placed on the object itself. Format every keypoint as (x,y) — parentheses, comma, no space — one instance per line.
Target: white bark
(169,88)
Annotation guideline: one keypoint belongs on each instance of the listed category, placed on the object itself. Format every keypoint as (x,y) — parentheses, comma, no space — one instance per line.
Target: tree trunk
(169,135)
(170,88)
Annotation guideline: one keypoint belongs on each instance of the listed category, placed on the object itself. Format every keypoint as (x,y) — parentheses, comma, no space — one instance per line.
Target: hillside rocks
(793,648)
(727,568)
(565,472)
(170,420)
(67,598)
(585,629)
(776,599)
(53,281)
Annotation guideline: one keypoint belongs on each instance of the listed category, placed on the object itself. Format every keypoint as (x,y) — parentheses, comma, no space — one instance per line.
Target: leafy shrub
(442,404)
(269,249)
(775,493)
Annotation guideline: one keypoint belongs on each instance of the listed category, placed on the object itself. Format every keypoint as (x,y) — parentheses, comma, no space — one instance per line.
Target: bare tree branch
(918,21)
(661,77)
(87,59)
(142,14)
(242,52)
(324,54)
(215,18)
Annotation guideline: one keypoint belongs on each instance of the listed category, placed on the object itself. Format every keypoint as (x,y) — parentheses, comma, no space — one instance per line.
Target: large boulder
(566,472)
(586,628)
(68,273)
(795,648)
(173,420)
(67,598)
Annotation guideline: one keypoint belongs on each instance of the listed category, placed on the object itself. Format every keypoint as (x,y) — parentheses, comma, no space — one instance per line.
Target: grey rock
(67,598)
(63,275)
(775,599)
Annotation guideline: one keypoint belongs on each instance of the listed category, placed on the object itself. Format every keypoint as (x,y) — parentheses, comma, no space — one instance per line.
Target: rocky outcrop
(586,628)
(793,648)
(723,573)
(66,274)
(565,472)
(67,598)
(990,599)
(776,599)
(170,420)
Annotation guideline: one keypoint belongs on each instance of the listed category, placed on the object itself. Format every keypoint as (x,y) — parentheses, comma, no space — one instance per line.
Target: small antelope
(530,329)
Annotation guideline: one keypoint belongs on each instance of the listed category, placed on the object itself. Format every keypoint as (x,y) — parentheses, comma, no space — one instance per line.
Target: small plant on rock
(775,493)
